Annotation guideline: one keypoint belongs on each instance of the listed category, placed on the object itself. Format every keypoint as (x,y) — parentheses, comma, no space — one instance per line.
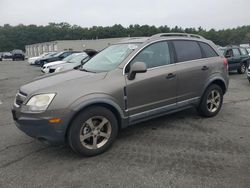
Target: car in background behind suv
(32,60)
(74,63)
(238,58)
(17,55)
(248,73)
(126,83)
(7,55)
(59,56)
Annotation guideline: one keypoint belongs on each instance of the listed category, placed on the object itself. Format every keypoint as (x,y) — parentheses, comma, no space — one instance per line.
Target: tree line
(16,37)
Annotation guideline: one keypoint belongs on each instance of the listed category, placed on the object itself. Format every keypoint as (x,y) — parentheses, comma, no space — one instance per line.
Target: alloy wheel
(243,68)
(95,132)
(213,101)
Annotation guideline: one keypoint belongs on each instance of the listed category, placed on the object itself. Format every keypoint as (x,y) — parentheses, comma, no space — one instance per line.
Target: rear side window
(208,50)
(187,50)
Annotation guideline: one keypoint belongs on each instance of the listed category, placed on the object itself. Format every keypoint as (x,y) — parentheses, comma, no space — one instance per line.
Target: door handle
(204,68)
(170,75)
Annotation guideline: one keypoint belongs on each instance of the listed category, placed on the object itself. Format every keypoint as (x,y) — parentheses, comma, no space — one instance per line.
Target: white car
(74,63)
(32,60)
(46,67)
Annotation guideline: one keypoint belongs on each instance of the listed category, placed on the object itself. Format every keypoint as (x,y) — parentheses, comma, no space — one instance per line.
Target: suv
(130,82)
(17,54)
(238,58)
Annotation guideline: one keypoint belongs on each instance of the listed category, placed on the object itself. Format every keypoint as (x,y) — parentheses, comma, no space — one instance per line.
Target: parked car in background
(248,49)
(45,68)
(59,56)
(74,63)
(248,74)
(126,83)
(17,55)
(238,58)
(32,60)
(51,54)
(7,55)
(71,62)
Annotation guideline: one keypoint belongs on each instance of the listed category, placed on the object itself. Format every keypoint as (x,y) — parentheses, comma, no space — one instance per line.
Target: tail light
(225,62)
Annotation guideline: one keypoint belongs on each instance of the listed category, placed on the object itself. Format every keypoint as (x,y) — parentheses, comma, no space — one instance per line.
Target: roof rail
(177,35)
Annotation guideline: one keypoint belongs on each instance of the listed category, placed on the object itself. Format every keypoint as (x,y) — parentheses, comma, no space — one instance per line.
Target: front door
(155,89)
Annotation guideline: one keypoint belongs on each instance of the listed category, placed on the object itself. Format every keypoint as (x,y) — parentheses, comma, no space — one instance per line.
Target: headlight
(47,67)
(40,102)
(58,69)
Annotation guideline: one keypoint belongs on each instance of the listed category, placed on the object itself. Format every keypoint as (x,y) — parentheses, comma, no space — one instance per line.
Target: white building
(62,45)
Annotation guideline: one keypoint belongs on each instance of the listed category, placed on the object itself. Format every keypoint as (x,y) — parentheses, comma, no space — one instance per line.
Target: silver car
(74,63)
(127,83)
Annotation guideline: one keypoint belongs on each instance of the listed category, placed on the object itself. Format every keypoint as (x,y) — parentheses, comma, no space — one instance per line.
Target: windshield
(78,58)
(248,49)
(17,51)
(109,58)
(50,54)
(68,58)
(58,54)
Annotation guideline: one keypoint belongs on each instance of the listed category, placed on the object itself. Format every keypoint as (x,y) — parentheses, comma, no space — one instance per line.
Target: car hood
(48,58)
(54,81)
(54,63)
(34,58)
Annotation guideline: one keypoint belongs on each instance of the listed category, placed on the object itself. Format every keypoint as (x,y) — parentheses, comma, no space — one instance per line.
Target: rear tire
(211,101)
(93,131)
(242,69)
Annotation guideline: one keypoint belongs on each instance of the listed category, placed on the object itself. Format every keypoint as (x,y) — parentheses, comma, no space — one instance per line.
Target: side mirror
(137,67)
(227,56)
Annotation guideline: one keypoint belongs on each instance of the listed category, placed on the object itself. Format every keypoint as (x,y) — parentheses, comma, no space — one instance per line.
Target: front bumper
(39,127)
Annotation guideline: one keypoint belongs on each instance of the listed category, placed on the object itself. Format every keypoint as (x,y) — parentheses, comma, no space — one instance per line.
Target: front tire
(93,131)
(211,101)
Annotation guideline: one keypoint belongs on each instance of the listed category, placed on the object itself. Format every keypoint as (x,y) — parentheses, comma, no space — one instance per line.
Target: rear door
(192,68)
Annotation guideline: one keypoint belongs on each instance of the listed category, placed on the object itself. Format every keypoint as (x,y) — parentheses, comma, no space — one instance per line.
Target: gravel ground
(179,150)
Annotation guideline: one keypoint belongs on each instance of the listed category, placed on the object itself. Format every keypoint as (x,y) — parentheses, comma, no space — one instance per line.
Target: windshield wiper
(85,70)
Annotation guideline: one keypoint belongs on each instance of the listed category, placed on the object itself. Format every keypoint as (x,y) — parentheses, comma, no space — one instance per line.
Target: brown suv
(129,82)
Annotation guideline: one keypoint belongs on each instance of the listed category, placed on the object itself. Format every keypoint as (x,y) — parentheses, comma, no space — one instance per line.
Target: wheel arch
(110,105)
(218,81)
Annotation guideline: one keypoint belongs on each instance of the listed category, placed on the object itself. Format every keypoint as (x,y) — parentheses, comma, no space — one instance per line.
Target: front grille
(20,98)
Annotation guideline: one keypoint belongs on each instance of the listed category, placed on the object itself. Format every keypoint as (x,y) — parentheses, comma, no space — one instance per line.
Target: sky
(217,14)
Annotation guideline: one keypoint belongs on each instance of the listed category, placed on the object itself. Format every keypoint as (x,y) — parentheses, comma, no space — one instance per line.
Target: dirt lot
(180,150)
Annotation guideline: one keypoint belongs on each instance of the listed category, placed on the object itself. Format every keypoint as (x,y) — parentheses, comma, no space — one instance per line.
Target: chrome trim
(173,64)
(160,40)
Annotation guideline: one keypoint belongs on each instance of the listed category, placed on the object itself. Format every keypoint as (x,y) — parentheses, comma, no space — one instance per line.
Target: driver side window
(155,55)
